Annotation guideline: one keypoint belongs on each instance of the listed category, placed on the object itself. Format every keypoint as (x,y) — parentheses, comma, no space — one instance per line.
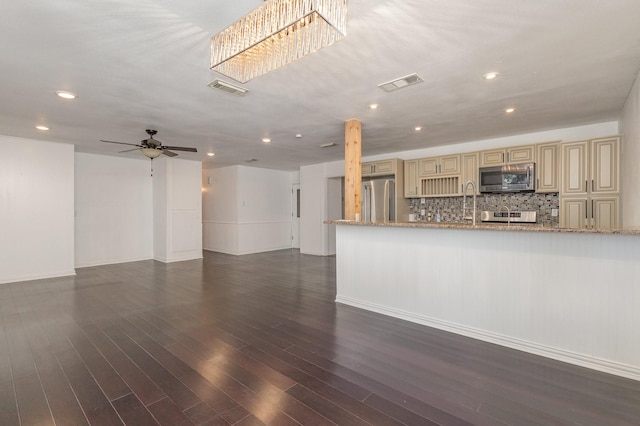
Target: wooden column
(352,169)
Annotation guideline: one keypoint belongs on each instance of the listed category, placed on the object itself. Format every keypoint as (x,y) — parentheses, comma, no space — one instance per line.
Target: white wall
(630,128)
(177,209)
(313,179)
(36,209)
(247,209)
(220,209)
(114,210)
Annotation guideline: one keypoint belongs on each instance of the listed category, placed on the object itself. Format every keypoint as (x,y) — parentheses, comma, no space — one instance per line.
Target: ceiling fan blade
(128,150)
(121,143)
(169,153)
(180,148)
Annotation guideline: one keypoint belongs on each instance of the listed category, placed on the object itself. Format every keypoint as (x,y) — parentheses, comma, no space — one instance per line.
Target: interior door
(295,216)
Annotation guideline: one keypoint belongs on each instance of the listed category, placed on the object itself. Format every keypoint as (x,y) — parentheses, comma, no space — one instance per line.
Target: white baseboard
(20,278)
(111,262)
(611,367)
(242,253)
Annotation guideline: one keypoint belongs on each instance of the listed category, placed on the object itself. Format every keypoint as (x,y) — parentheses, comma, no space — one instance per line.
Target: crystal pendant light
(276,34)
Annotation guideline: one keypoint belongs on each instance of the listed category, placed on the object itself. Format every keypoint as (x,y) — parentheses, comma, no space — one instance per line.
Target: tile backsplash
(451,207)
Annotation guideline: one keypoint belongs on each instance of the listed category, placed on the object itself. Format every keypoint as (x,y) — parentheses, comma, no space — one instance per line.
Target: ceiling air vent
(328,145)
(252,160)
(399,83)
(227,87)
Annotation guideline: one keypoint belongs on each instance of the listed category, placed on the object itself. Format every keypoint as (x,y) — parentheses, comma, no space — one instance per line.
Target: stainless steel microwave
(508,178)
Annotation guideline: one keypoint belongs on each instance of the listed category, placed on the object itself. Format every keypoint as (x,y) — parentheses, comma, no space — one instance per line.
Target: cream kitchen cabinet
(470,172)
(446,165)
(547,173)
(512,155)
(377,168)
(595,212)
(411,179)
(591,167)
(590,184)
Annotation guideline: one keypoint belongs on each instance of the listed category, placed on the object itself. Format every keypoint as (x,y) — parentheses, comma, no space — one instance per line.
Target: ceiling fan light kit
(276,34)
(153,148)
(151,152)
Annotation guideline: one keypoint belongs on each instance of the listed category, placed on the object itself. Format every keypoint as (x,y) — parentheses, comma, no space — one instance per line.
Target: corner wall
(36,209)
(630,128)
(247,209)
(177,206)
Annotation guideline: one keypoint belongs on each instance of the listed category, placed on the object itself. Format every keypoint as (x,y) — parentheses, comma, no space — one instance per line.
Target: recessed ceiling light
(266,140)
(43,128)
(374,106)
(417,128)
(491,75)
(299,135)
(509,110)
(210,154)
(66,95)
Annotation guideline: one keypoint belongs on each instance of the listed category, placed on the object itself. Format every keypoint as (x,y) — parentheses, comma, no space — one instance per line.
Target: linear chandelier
(276,34)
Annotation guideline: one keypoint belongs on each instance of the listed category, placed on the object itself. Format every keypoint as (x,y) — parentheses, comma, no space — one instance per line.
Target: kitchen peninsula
(567,294)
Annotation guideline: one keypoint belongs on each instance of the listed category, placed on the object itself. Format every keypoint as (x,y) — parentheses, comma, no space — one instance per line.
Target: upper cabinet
(590,184)
(446,165)
(591,167)
(411,179)
(376,168)
(547,175)
(513,155)
(470,172)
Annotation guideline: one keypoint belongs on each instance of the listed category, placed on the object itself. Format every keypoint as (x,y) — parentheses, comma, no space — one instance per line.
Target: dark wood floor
(258,339)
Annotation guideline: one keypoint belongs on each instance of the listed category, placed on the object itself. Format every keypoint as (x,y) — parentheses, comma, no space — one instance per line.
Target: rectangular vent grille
(252,160)
(227,87)
(399,83)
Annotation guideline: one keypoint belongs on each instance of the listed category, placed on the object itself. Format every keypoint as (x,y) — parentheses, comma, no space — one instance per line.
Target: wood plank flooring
(258,339)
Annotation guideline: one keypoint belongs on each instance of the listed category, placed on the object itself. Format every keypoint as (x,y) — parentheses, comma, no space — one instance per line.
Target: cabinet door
(470,171)
(494,157)
(573,213)
(450,164)
(521,154)
(605,159)
(575,168)
(411,178)
(547,168)
(384,167)
(605,212)
(367,168)
(428,166)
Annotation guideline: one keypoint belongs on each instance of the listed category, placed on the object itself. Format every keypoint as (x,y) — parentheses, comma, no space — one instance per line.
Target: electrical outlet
(554,212)
(423,201)
(423,212)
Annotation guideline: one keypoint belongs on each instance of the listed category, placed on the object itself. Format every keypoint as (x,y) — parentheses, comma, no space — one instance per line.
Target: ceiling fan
(153,148)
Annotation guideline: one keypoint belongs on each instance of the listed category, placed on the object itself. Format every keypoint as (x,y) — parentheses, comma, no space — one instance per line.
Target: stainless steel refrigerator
(378,199)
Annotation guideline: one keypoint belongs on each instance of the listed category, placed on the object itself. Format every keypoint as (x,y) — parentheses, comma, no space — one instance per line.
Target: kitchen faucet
(508,214)
(464,201)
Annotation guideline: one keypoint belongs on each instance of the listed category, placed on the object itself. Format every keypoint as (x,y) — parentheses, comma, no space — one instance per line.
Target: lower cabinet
(590,213)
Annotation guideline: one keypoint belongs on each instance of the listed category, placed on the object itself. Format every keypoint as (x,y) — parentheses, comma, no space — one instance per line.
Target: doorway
(295,215)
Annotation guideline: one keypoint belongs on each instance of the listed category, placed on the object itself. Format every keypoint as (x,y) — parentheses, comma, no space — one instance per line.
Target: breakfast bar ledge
(565,294)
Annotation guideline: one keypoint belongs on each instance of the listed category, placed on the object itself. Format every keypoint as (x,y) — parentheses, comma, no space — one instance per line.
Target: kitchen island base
(574,297)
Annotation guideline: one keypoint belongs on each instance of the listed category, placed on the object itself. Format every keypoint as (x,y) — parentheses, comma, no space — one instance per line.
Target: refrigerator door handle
(385,207)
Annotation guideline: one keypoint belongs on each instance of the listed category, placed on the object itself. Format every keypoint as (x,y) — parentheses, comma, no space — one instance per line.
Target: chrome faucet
(464,201)
(508,214)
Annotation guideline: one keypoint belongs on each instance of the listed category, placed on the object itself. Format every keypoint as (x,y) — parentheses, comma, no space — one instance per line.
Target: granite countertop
(487,226)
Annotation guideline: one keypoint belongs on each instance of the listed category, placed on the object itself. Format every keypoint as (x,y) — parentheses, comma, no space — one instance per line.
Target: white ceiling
(145,64)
